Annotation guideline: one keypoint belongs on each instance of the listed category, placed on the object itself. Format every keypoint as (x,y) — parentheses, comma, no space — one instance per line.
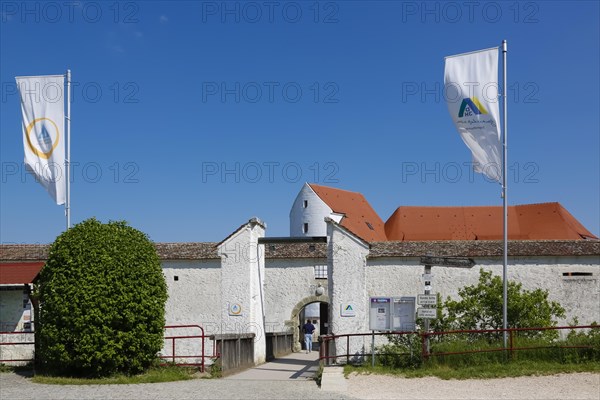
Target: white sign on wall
(348,310)
(427,299)
(235,309)
(427,313)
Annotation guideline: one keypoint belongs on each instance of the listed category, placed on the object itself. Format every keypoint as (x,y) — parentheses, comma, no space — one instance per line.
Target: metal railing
(329,343)
(512,332)
(174,357)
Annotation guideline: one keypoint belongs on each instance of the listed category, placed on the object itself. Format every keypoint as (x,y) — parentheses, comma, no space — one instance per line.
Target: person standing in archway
(308,330)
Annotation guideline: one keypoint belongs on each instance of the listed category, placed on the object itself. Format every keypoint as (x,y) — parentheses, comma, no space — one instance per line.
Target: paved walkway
(289,377)
(295,366)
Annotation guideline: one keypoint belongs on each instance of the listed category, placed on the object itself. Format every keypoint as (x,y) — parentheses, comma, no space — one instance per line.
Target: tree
(480,307)
(102,301)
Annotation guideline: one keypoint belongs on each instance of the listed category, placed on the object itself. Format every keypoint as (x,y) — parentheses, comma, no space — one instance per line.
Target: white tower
(307,216)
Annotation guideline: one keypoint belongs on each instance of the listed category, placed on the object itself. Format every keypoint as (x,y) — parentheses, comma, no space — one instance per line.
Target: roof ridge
(481,206)
(334,188)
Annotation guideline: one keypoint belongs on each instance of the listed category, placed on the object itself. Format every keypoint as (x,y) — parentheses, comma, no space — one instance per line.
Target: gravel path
(571,387)
(559,387)
(15,387)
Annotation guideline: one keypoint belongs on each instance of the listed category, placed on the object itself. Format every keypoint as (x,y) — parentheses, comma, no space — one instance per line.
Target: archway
(294,321)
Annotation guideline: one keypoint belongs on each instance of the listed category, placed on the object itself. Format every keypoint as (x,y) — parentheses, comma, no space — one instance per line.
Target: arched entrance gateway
(299,315)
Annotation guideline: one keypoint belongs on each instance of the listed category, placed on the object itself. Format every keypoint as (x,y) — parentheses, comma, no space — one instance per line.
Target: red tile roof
(547,221)
(19,273)
(359,216)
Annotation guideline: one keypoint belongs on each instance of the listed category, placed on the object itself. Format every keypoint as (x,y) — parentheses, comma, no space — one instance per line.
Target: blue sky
(189,118)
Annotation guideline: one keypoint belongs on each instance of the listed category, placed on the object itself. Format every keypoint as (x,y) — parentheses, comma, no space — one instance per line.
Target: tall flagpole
(68,158)
(504,200)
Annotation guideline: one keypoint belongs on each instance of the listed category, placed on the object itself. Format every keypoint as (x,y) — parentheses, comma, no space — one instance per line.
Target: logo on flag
(470,107)
(46,137)
(475,110)
(43,132)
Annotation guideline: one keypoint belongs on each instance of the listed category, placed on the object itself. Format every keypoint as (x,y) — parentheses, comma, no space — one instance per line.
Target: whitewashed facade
(246,285)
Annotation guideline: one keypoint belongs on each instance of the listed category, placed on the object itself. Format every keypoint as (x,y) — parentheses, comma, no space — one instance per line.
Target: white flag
(471,91)
(42,106)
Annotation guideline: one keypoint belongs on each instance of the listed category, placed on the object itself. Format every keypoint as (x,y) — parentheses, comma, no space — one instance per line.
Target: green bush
(589,338)
(480,307)
(102,302)
(403,351)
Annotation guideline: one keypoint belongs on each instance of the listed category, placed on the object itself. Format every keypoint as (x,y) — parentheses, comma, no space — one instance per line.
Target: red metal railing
(324,353)
(2,343)
(328,340)
(511,347)
(173,356)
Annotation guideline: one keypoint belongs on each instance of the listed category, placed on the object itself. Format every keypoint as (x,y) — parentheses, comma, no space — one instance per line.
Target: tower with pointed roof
(349,209)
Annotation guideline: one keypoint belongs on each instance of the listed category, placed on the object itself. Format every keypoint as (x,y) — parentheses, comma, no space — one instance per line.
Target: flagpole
(504,200)
(68,157)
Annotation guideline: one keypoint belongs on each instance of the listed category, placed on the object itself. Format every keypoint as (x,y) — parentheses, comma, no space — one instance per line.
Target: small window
(311,247)
(305,227)
(305,203)
(370,226)
(175,278)
(577,274)
(320,271)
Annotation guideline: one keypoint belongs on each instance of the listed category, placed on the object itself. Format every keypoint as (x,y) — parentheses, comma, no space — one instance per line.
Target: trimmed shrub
(102,302)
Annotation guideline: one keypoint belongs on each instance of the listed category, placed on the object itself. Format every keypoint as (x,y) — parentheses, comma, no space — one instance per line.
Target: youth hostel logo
(470,107)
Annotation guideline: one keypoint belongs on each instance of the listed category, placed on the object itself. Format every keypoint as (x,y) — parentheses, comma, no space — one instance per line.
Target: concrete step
(333,379)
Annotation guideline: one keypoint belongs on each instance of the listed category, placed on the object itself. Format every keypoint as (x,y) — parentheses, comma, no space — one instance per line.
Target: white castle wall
(287,282)
(347,273)
(242,284)
(194,299)
(206,288)
(580,296)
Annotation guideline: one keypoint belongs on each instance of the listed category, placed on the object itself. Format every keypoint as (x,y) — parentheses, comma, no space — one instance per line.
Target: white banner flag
(471,91)
(42,106)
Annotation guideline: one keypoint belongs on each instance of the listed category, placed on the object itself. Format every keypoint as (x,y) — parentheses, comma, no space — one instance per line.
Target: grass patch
(16,368)
(483,371)
(6,368)
(215,370)
(157,374)
(543,356)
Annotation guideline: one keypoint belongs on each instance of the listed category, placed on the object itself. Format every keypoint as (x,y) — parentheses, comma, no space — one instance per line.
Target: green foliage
(487,370)
(480,307)
(102,297)
(155,374)
(403,351)
(589,338)
(216,371)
